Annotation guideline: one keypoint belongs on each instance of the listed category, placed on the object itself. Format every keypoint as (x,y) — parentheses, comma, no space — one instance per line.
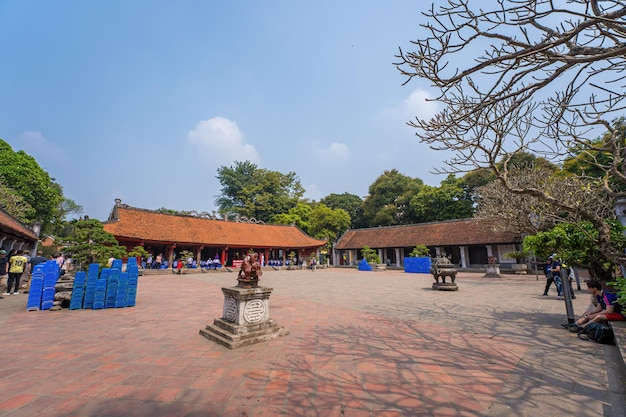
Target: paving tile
(361,344)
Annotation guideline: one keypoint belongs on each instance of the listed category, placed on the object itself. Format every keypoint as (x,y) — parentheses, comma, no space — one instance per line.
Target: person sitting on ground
(608,309)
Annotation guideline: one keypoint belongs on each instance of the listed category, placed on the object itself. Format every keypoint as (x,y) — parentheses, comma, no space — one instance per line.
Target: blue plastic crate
(46,305)
(98,305)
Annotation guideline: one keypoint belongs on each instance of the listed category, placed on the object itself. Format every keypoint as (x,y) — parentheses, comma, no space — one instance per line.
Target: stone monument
(246,314)
(441,268)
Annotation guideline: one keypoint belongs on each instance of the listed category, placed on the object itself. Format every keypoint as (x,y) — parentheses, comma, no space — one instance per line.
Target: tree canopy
(253,192)
(351,203)
(447,202)
(546,76)
(388,199)
(90,243)
(21,173)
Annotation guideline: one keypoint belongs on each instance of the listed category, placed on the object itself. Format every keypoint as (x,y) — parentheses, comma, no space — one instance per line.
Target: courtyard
(360,344)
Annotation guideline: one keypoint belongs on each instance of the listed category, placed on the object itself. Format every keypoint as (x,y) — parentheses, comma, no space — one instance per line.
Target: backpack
(598,332)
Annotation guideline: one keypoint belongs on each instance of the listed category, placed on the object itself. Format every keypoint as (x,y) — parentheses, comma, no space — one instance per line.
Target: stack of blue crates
(92,289)
(36,288)
(50,277)
(122,284)
(78,291)
(90,286)
(100,291)
(133,276)
(111,289)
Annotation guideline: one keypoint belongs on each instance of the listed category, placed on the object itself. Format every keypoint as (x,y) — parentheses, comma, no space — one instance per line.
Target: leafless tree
(527,76)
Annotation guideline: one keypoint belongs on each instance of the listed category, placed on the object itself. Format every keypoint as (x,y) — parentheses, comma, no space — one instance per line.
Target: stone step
(234,341)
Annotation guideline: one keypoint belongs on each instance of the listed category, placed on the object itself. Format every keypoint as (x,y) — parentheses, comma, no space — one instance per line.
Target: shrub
(420,251)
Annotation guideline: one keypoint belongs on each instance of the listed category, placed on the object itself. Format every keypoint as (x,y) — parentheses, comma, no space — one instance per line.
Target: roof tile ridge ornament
(244,219)
(203,215)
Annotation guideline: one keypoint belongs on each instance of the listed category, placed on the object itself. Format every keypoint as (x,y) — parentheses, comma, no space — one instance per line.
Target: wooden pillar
(170,255)
(199,255)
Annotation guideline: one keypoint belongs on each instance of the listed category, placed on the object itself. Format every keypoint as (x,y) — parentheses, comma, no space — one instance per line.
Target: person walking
(17,266)
(546,271)
(555,270)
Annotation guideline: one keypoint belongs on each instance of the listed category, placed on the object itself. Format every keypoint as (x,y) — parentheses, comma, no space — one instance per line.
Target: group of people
(552,269)
(150,262)
(15,265)
(604,306)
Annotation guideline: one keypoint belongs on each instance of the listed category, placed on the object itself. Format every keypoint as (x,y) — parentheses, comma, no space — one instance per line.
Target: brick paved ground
(361,344)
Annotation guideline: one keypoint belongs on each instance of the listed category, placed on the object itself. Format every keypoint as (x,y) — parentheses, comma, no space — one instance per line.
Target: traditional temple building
(468,242)
(206,236)
(16,235)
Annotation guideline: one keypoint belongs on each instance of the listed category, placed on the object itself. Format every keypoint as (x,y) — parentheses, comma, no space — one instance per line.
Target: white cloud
(35,144)
(219,140)
(418,104)
(335,152)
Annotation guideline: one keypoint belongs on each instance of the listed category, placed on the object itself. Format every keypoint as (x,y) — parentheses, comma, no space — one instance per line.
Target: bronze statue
(250,271)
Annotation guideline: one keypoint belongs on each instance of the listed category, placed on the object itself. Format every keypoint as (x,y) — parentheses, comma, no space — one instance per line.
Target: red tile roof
(447,233)
(9,224)
(146,225)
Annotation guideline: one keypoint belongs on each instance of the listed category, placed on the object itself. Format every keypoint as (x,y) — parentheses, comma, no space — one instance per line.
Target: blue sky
(144,100)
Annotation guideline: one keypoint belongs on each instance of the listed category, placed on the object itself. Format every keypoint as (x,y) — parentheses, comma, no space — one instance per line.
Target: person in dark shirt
(34,261)
(4,260)
(608,309)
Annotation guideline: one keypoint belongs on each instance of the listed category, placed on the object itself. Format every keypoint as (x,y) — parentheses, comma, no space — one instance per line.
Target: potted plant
(418,261)
(370,258)
(291,258)
(520,266)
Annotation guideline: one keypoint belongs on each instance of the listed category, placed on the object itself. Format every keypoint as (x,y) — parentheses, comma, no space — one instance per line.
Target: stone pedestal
(445,286)
(493,271)
(245,319)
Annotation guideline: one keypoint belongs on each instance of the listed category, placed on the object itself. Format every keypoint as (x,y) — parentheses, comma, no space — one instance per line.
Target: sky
(144,100)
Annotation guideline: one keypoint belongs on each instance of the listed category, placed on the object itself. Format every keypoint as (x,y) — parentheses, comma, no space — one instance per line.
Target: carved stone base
(445,286)
(234,336)
(245,319)
(492,271)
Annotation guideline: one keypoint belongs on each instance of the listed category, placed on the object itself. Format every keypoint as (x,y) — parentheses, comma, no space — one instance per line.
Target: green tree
(388,199)
(328,223)
(22,173)
(299,215)
(90,243)
(13,203)
(370,255)
(449,201)
(351,203)
(574,244)
(60,225)
(255,192)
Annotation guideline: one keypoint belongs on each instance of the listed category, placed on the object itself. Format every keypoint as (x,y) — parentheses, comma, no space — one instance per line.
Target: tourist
(607,309)
(17,265)
(34,261)
(546,271)
(313,264)
(4,270)
(555,271)
(158,261)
